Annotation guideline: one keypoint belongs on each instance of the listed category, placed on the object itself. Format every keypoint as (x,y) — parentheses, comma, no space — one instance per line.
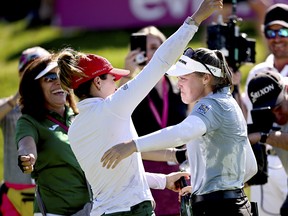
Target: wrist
(191,21)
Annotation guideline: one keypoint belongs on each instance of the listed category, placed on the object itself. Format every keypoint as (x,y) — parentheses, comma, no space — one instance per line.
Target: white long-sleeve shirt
(103,123)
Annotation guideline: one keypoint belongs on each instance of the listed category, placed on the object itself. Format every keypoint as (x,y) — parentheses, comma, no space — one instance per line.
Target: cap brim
(186,65)
(119,73)
(177,70)
(49,67)
(277,22)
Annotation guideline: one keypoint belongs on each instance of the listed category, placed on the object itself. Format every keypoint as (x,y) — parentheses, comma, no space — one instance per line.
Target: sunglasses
(50,77)
(189,52)
(271,34)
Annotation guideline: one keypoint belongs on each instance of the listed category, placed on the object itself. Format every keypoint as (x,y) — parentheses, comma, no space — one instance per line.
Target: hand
(172,180)
(130,63)
(206,8)
(114,155)
(184,191)
(254,137)
(26,163)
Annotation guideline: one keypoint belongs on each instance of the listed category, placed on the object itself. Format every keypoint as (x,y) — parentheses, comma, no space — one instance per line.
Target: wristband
(264,137)
(190,21)
(181,155)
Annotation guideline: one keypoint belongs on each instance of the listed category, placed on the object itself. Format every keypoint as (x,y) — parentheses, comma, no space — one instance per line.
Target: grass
(14,37)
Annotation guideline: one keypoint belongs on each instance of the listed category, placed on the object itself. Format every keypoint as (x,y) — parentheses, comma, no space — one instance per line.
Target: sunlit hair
(68,60)
(216,59)
(32,100)
(152,30)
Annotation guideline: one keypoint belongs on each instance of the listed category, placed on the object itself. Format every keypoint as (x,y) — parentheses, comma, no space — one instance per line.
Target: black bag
(261,177)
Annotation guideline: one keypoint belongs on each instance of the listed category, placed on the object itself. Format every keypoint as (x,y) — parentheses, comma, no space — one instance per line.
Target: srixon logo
(261,92)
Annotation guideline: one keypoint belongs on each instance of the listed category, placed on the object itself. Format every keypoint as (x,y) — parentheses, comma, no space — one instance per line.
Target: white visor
(186,65)
(49,67)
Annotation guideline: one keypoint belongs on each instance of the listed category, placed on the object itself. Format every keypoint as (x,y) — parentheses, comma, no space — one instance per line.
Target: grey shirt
(12,172)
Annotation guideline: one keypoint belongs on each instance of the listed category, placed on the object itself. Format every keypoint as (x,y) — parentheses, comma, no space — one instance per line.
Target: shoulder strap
(58,122)
(40,202)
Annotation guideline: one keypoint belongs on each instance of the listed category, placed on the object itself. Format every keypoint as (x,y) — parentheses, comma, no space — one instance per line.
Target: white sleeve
(126,98)
(251,163)
(190,128)
(156,180)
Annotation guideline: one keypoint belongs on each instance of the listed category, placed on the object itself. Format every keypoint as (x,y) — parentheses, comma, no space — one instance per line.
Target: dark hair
(215,58)
(32,100)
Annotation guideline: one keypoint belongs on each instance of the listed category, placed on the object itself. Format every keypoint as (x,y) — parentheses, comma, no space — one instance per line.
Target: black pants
(224,203)
(284,207)
(142,209)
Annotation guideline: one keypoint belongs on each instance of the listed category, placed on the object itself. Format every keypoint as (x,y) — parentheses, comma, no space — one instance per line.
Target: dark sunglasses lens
(50,77)
(269,33)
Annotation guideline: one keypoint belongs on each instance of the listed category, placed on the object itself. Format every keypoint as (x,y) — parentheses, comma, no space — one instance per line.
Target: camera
(236,46)
(263,120)
(138,41)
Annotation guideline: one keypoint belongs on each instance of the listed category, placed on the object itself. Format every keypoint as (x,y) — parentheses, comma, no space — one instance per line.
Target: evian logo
(255,95)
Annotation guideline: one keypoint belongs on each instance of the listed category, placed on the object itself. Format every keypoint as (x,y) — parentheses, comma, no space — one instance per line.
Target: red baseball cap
(94,65)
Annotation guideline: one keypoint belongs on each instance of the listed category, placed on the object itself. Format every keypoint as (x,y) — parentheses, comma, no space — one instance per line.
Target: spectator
(19,185)
(275,29)
(275,97)
(218,148)
(160,108)
(43,146)
(105,117)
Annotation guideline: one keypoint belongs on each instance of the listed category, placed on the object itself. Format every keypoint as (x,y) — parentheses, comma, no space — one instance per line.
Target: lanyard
(163,120)
(58,122)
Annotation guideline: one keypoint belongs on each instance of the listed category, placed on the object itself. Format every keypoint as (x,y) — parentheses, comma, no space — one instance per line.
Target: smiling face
(55,96)
(278,45)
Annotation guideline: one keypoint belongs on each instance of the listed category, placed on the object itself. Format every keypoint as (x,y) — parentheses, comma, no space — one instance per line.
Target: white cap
(186,65)
(49,67)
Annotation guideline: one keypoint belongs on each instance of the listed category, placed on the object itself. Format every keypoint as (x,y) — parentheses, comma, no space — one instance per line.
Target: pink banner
(113,14)
(107,14)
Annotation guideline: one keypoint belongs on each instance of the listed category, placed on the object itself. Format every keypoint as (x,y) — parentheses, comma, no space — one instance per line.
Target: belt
(218,195)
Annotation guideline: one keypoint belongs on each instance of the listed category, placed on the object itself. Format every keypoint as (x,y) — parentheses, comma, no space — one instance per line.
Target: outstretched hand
(206,8)
(117,153)
(26,163)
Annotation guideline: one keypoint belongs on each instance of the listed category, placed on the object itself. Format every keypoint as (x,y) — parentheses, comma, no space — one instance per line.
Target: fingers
(185,190)
(26,163)
(110,159)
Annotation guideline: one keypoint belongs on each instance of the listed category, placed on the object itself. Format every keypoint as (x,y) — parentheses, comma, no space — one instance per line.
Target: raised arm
(27,154)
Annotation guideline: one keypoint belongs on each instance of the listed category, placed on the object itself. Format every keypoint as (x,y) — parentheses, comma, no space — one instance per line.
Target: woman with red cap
(105,117)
